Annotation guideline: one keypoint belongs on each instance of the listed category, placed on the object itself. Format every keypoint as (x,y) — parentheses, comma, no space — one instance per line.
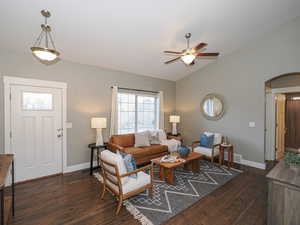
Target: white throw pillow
(154,137)
(141,139)
(162,135)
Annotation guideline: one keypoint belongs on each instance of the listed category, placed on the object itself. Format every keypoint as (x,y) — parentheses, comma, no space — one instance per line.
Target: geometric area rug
(169,200)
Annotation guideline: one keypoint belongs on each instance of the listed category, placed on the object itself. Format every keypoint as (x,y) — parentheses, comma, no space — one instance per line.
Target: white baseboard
(80,166)
(246,162)
(254,164)
(242,161)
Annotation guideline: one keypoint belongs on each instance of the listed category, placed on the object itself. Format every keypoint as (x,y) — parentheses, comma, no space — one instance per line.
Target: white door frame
(8,81)
(271,119)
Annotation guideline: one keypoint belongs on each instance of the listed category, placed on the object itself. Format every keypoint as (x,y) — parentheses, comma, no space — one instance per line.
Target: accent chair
(117,180)
(210,153)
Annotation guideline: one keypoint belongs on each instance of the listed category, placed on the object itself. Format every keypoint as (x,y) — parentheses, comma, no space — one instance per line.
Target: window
(137,112)
(37,101)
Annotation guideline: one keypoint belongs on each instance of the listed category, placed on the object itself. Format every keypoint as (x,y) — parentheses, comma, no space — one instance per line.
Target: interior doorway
(282,127)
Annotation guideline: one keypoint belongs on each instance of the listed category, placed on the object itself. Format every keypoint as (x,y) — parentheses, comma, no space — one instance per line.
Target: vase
(183,151)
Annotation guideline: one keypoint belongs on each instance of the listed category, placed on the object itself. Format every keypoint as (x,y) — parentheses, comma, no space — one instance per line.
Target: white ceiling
(132,35)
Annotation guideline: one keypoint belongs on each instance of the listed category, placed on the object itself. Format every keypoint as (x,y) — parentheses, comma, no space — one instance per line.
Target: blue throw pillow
(129,162)
(207,141)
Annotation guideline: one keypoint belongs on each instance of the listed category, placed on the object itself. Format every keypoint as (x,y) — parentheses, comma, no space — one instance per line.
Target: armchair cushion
(133,184)
(206,151)
(207,141)
(115,159)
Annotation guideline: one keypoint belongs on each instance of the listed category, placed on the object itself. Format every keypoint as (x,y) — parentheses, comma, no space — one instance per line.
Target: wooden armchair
(210,153)
(117,180)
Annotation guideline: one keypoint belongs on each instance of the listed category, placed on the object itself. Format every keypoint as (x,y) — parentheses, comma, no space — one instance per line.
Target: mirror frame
(208,96)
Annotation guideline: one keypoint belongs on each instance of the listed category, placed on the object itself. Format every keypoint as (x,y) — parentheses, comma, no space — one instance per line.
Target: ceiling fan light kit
(189,55)
(188,59)
(44,48)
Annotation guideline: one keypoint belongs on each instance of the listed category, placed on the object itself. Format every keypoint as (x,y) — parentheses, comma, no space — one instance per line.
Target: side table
(229,149)
(93,147)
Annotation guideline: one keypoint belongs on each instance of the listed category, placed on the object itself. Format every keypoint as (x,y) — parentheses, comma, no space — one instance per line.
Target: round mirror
(212,107)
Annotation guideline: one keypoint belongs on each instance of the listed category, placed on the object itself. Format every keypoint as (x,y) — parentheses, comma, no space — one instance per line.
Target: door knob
(59,135)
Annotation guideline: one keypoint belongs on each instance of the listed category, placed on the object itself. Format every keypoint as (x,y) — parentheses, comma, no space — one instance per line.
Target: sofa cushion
(146,151)
(123,140)
(141,139)
(206,151)
(154,137)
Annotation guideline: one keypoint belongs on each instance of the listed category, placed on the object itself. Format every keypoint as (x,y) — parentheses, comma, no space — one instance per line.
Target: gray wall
(240,79)
(89,95)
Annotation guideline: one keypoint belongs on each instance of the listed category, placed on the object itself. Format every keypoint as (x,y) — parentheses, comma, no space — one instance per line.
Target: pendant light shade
(44,48)
(45,54)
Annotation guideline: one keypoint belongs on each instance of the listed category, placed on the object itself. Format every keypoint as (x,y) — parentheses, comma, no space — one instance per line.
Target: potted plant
(293,160)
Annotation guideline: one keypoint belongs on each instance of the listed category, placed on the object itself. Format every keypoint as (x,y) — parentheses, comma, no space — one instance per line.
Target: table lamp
(98,123)
(174,119)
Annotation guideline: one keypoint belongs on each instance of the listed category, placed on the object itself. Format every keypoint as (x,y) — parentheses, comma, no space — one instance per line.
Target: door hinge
(10,96)
(10,134)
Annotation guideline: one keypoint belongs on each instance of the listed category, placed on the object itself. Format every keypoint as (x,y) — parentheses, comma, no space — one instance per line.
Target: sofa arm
(114,147)
(195,144)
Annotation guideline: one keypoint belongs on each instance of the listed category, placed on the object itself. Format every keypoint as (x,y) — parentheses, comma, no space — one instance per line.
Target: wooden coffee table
(166,170)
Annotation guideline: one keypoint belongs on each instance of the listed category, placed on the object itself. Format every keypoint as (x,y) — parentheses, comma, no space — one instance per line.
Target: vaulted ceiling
(132,35)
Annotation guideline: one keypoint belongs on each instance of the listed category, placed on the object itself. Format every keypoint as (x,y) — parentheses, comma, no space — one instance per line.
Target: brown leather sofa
(125,143)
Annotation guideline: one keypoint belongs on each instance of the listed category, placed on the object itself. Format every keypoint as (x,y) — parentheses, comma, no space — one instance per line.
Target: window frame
(136,112)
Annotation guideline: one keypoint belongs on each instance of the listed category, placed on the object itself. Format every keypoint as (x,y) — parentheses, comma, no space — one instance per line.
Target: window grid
(137,113)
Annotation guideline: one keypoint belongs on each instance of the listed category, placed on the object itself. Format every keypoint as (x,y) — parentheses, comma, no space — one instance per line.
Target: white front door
(36,131)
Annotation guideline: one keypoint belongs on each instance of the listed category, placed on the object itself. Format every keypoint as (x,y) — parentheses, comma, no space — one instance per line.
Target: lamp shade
(174,119)
(97,122)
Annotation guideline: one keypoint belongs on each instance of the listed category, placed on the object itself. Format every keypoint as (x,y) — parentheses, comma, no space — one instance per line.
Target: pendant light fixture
(44,48)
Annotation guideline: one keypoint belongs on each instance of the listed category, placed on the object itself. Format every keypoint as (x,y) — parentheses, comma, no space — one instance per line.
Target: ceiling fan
(189,55)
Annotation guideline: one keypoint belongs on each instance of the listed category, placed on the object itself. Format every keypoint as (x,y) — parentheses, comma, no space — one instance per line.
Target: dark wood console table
(7,202)
(93,147)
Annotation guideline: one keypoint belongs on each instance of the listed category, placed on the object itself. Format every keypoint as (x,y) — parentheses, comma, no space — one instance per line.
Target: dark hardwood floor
(74,199)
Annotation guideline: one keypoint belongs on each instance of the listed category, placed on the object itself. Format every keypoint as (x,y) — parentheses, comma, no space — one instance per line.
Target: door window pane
(37,101)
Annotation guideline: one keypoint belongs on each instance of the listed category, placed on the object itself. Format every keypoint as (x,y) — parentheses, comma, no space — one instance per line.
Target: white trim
(270,140)
(286,90)
(77,167)
(246,162)
(10,80)
(253,164)
(33,82)
(270,126)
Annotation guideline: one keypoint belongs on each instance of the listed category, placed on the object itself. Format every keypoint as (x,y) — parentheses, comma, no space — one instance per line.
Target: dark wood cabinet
(283,196)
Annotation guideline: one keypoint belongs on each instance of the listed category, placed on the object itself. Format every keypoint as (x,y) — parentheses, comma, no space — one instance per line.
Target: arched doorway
(282,131)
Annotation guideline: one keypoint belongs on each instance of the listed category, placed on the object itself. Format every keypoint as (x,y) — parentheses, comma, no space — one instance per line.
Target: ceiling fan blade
(208,54)
(172,60)
(199,46)
(171,52)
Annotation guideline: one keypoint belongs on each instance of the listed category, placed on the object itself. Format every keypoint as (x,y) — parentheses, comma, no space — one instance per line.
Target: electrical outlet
(252,124)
